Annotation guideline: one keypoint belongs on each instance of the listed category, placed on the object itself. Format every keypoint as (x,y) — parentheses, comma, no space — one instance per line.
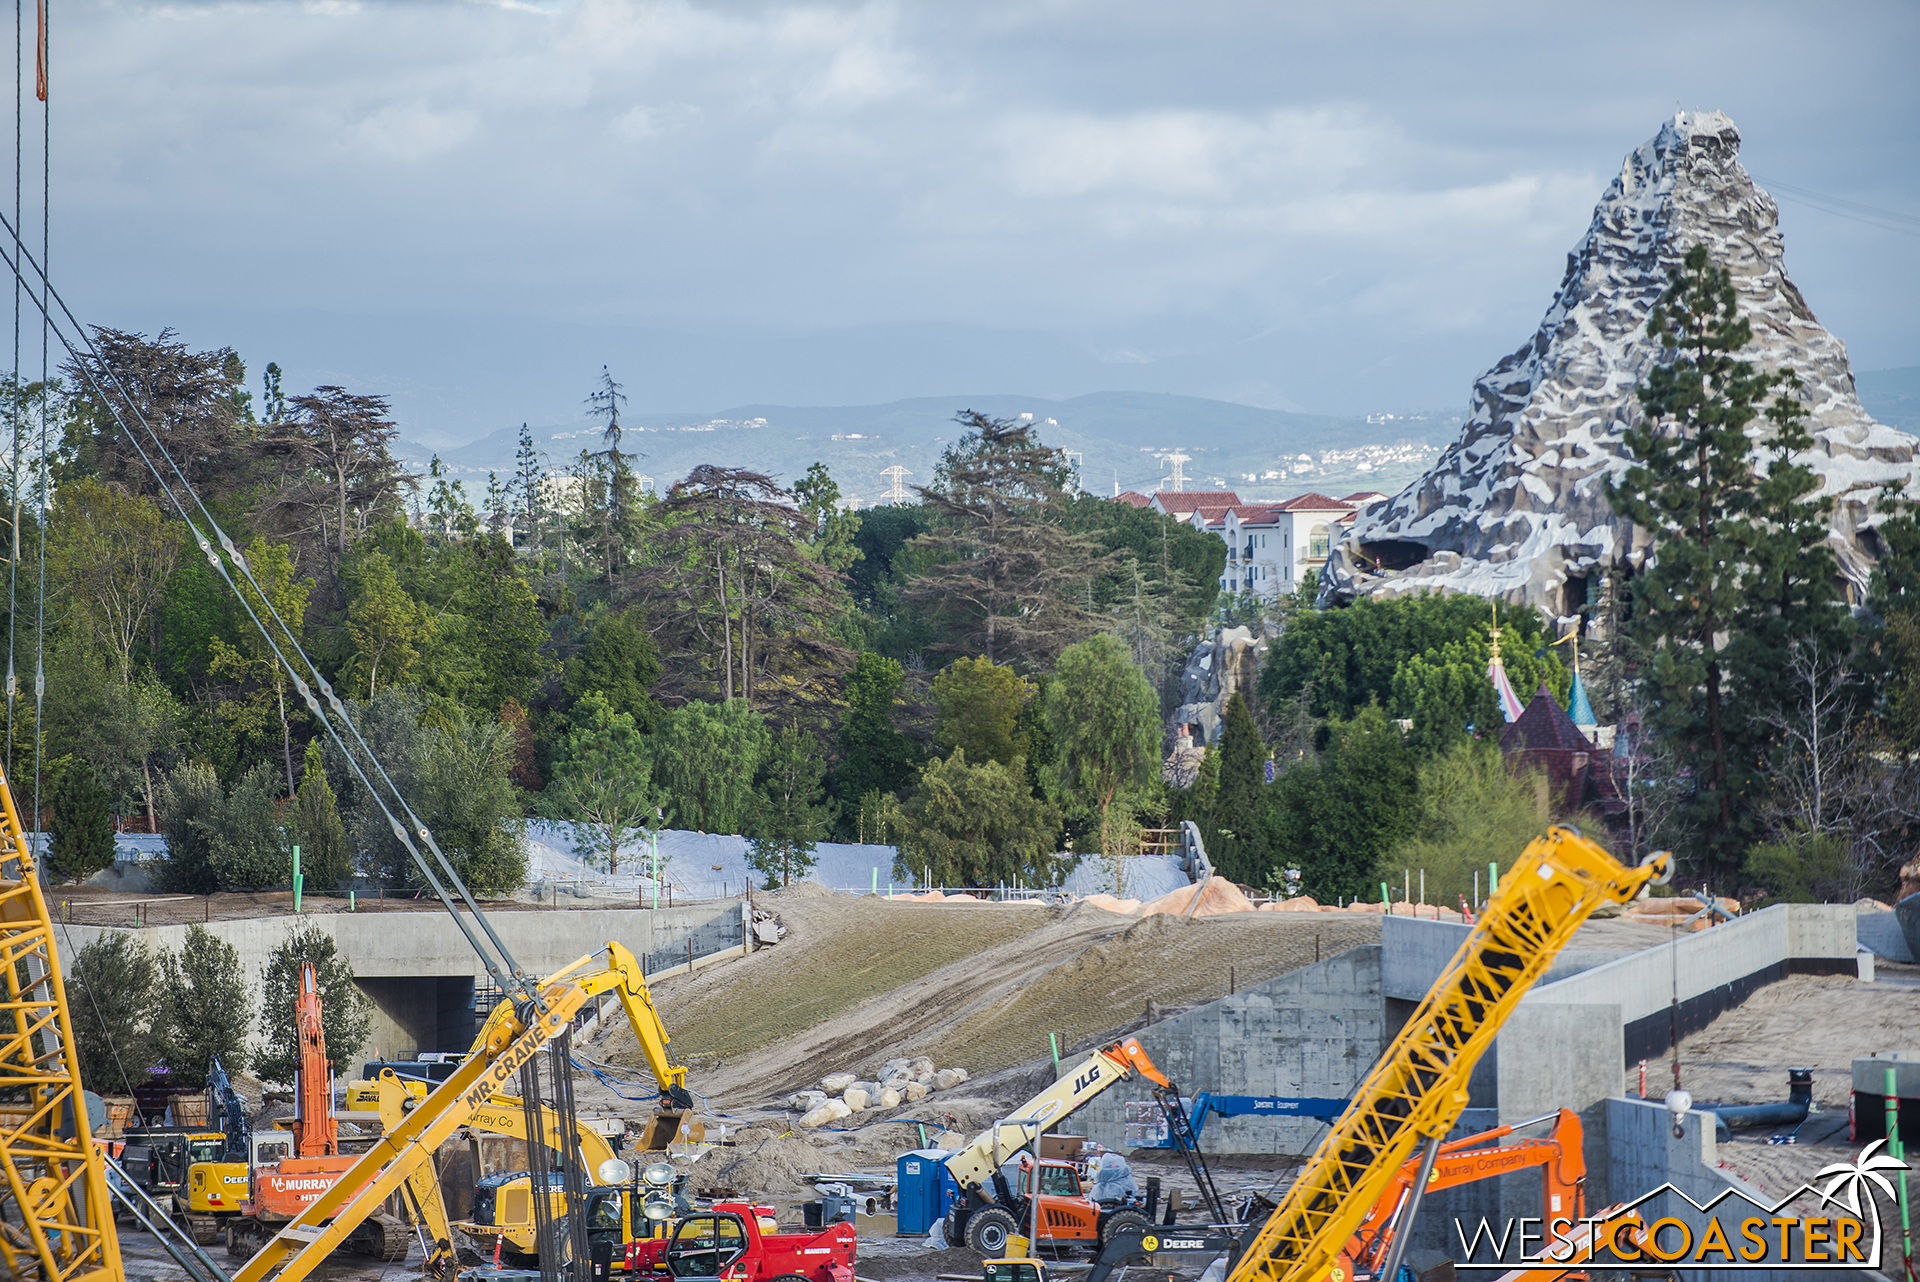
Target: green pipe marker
(1897,1149)
(296,879)
(1054,1038)
(1493,879)
(1383,895)
(350,903)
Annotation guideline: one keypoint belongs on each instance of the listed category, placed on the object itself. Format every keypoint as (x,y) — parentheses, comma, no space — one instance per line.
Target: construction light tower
(896,492)
(1176,462)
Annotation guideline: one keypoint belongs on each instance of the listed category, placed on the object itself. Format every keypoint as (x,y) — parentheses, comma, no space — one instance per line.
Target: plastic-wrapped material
(1114,1181)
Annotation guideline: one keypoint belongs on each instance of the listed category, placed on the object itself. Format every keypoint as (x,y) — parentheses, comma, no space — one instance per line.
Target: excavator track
(383,1238)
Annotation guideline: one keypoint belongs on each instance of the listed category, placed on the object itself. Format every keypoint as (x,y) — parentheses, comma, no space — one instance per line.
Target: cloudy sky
(1331,207)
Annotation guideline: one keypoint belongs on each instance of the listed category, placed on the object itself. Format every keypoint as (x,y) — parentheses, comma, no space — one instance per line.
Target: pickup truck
(736,1241)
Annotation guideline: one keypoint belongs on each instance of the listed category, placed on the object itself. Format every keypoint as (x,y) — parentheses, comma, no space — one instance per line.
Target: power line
(1852,210)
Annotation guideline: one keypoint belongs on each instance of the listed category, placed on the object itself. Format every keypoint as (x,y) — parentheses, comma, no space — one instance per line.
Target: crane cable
(500,964)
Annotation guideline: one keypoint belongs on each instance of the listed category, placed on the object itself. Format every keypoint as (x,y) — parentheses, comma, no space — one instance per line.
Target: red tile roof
(1131,499)
(1187,500)
(1363,497)
(1312,503)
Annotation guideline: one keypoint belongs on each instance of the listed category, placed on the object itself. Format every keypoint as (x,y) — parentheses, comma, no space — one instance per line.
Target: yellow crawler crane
(1419,1088)
(55,1222)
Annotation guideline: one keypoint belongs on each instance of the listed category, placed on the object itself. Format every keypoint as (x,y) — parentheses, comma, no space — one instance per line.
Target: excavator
(278,1191)
(214,1190)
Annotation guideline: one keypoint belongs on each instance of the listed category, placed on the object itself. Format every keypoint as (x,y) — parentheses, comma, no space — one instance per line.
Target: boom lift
(1418,1089)
(990,1211)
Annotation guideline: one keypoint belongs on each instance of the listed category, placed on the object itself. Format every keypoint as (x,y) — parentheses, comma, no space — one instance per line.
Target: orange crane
(1559,1157)
(315,1132)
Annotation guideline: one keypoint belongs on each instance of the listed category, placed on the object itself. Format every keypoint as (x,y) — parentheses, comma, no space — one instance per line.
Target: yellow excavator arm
(1418,1089)
(403,1156)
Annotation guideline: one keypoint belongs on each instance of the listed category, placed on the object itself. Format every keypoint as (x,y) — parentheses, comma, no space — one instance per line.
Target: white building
(1270,546)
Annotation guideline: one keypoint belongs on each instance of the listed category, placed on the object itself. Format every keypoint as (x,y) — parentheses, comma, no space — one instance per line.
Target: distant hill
(1892,396)
(1116,434)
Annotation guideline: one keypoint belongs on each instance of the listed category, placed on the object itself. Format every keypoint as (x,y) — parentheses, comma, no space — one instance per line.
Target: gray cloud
(1333,207)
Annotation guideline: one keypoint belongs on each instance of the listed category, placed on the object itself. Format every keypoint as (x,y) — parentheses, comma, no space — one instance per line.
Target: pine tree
(1235,838)
(345,1013)
(205,1007)
(325,860)
(82,821)
(1739,566)
(874,757)
(793,817)
(110,990)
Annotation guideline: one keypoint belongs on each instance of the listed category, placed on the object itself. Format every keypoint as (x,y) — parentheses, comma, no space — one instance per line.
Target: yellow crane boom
(55,1221)
(1418,1089)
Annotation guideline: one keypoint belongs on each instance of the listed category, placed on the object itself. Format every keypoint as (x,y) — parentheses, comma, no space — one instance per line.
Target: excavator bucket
(1131,1053)
(662,1129)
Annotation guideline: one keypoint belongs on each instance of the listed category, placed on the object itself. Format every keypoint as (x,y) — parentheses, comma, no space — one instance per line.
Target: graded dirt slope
(860,980)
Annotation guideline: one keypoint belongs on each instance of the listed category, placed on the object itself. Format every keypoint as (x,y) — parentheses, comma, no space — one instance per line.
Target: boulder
(888,1098)
(834,1083)
(855,1098)
(806,1101)
(920,1064)
(948,1078)
(831,1111)
(913,1092)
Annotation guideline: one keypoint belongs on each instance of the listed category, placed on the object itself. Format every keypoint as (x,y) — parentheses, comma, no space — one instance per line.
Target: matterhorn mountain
(1515,508)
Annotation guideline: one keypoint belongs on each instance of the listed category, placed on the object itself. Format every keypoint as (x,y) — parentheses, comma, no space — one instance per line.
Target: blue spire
(1578,708)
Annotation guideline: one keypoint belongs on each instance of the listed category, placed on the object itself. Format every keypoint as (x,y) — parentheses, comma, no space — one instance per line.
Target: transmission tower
(1176,462)
(896,493)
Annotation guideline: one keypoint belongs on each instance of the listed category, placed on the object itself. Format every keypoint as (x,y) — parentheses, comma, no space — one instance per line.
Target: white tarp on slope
(1142,877)
(696,865)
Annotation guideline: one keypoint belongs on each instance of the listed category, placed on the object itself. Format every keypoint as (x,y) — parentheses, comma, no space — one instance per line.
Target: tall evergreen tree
(345,1013)
(205,1007)
(326,862)
(1235,837)
(82,821)
(874,757)
(1739,566)
(793,818)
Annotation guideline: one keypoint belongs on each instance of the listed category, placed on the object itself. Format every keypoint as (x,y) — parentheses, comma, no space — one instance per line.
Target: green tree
(110,990)
(454,769)
(619,664)
(981,825)
(1472,809)
(110,555)
(1339,818)
(793,815)
(602,782)
(387,626)
(205,1009)
(82,842)
(263,680)
(249,846)
(191,800)
(346,1015)
(1739,567)
(834,530)
(999,568)
(707,755)
(1347,658)
(488,639)
(979,704)
(1103,720)
(1236,840)
(874,757)
(326,862)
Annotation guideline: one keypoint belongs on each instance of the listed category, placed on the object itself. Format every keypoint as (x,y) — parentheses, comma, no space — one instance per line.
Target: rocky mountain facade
(1515,508)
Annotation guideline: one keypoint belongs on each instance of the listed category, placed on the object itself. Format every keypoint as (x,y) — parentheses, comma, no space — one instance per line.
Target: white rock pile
(899,1081)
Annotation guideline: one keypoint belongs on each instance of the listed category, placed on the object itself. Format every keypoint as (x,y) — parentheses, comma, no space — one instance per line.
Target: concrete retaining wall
(1312,1032)
(420,971)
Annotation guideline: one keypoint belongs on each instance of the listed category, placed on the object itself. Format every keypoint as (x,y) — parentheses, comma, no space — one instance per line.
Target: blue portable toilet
(924,1190)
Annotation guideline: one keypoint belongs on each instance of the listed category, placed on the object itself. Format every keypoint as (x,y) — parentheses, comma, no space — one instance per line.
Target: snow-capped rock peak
(1516,507)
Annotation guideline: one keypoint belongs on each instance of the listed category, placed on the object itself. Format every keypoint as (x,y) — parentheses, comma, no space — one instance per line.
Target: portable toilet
(924,1190)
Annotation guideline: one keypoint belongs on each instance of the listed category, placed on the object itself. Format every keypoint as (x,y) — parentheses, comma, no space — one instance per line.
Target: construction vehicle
(1207,1104)
(738,1241)
(279,1191)
(989,1211)
(160,1158)
(1417,1090)
(215,1189)
(1559,1156)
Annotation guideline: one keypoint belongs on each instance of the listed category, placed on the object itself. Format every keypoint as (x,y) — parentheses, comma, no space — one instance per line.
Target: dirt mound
(800,890)
(1218,896)
(768,1164)
(921,1264)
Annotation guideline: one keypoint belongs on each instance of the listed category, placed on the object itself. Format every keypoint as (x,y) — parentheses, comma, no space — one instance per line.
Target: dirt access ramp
(859,980)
